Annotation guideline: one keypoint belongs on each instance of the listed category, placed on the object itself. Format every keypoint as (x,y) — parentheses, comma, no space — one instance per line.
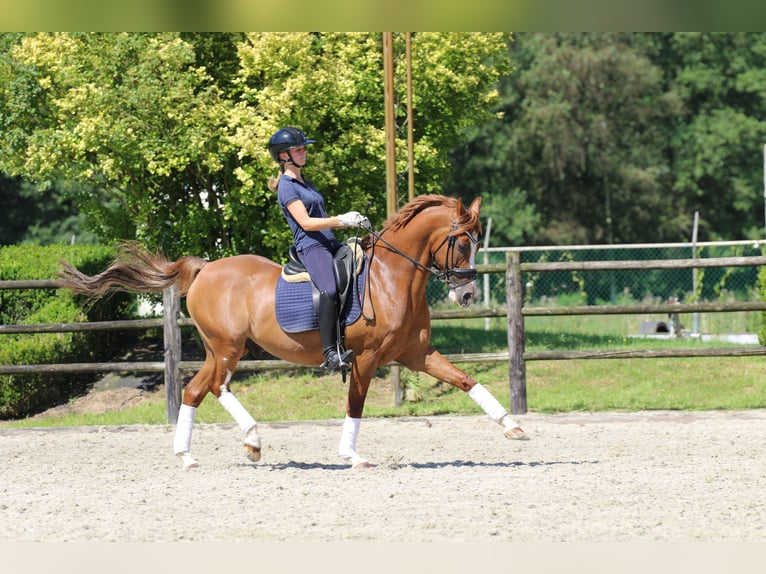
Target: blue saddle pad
(295,310)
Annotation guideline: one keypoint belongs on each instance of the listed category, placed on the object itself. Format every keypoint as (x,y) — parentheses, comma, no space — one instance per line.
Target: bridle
(453,276)
(464,276)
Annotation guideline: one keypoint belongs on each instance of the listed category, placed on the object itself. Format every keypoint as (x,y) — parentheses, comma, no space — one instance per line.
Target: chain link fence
(625,287)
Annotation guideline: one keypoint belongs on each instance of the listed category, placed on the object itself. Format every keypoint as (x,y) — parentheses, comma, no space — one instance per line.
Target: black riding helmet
(286,139)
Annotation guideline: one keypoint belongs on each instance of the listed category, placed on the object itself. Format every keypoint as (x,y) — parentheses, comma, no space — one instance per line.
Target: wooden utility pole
(391,199)
(410,126)
(388,101)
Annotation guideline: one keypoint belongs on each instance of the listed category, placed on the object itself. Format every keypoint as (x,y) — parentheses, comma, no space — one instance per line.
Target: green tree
(576,150)
(607,137)
(129,116)
(331,85)
(718,148)
(40,217)
(164,135)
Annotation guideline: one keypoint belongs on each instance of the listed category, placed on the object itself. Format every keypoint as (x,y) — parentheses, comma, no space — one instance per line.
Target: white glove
(352,219)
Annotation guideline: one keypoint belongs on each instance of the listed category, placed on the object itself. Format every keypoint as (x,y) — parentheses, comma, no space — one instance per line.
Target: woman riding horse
(232,303)
(304,209)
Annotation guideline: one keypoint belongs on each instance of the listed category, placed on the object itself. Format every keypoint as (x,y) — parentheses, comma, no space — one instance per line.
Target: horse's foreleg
(357,392)
(495,411)
(434,364)
(347,446)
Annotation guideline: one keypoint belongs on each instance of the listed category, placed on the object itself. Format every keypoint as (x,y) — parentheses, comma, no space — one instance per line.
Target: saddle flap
(342,266)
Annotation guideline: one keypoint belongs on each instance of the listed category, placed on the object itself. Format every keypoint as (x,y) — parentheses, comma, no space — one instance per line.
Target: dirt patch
(99,402)
(656,476)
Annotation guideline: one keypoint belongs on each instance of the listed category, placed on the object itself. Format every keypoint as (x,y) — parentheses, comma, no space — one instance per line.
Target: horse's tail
(136,270)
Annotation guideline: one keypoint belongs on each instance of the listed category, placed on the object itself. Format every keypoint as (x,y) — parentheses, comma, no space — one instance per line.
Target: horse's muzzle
(464,294)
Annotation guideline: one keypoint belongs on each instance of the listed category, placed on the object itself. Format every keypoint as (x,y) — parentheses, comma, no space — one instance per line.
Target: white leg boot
(245,421)
(495,411)
(182,440)
(347,446)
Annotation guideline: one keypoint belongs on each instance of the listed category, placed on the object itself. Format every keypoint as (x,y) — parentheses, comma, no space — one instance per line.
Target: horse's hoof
(253,453)
(357,462)
(188,460)
(516,433)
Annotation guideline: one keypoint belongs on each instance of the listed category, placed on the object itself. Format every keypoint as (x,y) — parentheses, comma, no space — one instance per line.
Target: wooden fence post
(172,336)
(396,384)
(514,294)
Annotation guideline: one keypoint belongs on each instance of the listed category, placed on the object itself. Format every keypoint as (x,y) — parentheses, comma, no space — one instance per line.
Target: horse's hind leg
(215,375)
(194,393)
(182,440)
(243,418)
(225,365)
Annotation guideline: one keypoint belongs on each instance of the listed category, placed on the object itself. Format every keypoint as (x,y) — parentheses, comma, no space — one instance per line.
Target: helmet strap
(292,161)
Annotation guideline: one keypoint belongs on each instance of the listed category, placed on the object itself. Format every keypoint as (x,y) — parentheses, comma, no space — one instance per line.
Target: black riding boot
(335,357)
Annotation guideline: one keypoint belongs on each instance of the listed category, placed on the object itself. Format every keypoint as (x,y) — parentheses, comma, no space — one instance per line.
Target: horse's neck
(413,244)
(412,241)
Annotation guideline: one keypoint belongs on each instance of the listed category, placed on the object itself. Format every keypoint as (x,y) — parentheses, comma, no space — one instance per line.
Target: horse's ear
(475,205)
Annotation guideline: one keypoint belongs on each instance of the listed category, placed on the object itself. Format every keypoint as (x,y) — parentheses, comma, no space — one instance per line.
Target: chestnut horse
(232,304)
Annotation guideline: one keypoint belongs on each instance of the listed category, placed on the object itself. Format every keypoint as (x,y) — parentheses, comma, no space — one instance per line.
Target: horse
(231,302)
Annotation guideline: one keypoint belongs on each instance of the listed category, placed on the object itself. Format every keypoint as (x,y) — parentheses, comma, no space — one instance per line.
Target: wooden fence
(172,366)
(515,312)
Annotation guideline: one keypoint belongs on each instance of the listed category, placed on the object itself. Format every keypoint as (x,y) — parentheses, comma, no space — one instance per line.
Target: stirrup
(334,361)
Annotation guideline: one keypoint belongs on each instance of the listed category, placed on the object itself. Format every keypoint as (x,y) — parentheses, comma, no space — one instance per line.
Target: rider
(304,209)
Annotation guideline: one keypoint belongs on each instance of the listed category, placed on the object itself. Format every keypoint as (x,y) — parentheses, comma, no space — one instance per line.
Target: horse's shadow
(297,465)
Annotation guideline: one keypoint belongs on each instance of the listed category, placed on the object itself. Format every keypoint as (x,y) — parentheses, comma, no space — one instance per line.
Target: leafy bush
(25,394)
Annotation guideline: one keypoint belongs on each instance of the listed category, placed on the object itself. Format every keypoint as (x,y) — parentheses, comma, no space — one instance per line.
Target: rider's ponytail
(274,181)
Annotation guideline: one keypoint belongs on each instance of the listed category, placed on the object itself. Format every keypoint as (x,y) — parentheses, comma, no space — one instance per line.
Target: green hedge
(25,394)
